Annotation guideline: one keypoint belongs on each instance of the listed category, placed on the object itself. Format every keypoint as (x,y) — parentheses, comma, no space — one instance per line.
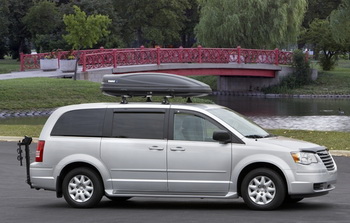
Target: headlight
(305,158)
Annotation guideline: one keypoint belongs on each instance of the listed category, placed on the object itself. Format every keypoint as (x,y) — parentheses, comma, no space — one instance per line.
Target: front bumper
(313,182)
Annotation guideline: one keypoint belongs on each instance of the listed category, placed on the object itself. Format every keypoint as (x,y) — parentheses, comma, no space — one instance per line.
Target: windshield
(239,123)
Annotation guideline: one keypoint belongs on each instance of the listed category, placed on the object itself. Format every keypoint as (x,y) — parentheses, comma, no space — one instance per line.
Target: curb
(14,139)
(345,153)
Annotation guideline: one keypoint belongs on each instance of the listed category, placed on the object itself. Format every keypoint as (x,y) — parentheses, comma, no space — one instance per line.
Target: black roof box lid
(153,84)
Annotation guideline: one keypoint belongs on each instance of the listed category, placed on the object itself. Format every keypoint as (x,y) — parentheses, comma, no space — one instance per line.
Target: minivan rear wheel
(82,188)
(263,189)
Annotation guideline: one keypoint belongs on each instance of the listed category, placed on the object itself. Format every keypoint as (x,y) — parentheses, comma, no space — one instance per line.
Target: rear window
(139,125)
(85,122)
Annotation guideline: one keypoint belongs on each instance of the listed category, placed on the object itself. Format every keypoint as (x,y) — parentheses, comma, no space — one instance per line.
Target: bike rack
(25,142)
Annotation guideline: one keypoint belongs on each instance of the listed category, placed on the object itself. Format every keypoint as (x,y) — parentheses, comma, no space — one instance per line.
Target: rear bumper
(42,178)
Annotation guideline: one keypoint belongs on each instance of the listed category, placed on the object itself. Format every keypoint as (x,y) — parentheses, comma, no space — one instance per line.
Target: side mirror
(222,136)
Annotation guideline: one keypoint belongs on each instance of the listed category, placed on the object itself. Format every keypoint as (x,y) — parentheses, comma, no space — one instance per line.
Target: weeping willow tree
(340,22)
(249,23)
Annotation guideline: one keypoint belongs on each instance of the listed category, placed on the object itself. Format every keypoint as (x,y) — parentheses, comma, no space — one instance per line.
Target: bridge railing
(101,58)
(140,56)
(32,61)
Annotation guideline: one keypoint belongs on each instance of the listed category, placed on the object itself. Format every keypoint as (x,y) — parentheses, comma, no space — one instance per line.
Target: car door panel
(136,152)
(136,165)
(196,163)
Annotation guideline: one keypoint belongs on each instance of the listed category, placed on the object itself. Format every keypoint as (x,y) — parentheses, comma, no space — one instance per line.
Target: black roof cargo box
(153,84)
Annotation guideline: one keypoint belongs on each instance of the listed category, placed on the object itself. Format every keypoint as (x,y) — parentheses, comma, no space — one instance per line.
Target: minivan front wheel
(263,189)
(82,188)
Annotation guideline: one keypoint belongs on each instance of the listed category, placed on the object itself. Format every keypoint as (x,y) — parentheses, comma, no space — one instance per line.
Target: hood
(292,144)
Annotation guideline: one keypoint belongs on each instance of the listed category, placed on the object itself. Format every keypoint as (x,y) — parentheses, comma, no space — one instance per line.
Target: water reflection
(292,113)
(320,123)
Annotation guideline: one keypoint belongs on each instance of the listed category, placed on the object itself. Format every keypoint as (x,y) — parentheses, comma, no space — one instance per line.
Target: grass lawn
(8,66)
(334,82)
(39,93)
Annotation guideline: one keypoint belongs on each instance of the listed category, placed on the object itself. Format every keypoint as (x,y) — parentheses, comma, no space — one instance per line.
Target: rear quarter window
(84,122)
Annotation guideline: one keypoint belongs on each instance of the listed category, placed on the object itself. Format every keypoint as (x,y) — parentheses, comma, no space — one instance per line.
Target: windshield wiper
(259,136)
(255,136)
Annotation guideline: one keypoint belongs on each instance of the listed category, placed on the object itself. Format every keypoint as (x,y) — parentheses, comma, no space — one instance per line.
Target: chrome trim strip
(170,181)
(44,178)
(197,171)
(140,170)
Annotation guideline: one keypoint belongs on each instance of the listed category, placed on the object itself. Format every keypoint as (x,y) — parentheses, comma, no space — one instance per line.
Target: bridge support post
(181,54)
(238,54)
(158,55)
(114,58)
(83,57)
(199,54)
(276,56)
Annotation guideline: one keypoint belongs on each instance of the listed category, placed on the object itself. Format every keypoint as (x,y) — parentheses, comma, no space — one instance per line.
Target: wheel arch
(70,167)
(257,165)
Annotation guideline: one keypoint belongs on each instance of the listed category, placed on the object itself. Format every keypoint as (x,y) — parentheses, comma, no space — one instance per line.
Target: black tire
(263,189)
(82,188)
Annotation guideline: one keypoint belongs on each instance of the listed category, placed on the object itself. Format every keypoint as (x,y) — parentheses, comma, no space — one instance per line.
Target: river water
(322,114)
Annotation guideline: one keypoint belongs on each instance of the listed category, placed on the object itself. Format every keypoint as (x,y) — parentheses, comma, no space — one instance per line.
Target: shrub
(300,76)
(327,62)
(302,71)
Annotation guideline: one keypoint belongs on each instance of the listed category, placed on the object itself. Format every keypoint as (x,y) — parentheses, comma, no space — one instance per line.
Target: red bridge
(222,62)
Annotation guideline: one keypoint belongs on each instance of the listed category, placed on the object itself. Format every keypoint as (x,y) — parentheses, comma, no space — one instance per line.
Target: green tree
(42,20)
(321,37)
(316,9)
(4,24)
(249,23)
(85,31)
(191,20)
(150,22)
(19,36)
(340,23)
(319,9)
(106,7)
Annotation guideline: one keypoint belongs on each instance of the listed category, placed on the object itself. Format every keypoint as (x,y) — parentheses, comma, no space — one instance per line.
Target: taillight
(39,151)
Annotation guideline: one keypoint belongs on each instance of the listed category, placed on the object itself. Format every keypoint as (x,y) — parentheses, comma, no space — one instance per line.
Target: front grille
(326,159)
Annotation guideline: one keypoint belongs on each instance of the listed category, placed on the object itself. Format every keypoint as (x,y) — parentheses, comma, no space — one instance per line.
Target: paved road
(34,73)
(19,203)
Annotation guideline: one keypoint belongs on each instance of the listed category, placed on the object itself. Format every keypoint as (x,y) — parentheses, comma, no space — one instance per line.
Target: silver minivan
(188,150)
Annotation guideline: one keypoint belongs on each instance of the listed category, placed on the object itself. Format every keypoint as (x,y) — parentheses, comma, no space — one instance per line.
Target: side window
(140,125)
(193,128)
(84,122)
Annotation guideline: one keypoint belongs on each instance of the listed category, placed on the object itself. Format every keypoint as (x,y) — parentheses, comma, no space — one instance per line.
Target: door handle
(178,148)
(156,148)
